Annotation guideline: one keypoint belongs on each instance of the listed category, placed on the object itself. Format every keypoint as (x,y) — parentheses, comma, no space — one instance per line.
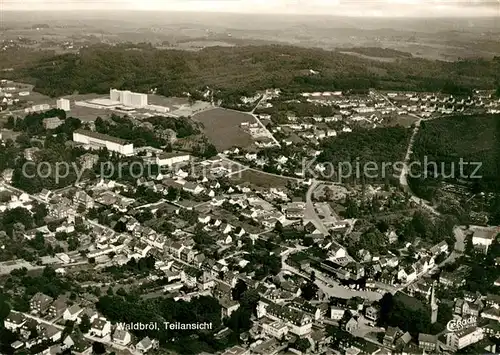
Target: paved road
(310,212)
(403,177)
(260,122)
(270,135)
(15,189)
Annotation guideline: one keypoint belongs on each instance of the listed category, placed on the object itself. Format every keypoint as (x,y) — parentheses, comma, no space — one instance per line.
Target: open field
(222,127)
(403,120)
(88,114)
(260,179)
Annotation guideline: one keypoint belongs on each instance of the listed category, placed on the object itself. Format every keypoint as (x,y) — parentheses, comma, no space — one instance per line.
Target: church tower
(434,306)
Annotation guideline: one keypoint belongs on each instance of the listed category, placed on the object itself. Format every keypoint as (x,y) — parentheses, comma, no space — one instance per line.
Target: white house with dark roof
(40,303)
(145,345)
(100,327)
(14,321)
(484,237)
(49,332)
(121,337)
(299,322)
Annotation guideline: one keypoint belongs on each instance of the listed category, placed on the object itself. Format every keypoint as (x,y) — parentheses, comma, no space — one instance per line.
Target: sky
(382,8)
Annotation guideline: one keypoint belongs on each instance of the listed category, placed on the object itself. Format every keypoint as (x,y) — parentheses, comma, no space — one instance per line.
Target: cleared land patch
(223,129)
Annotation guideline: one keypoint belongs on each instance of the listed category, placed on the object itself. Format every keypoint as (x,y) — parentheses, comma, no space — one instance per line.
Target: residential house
(464,308)
(299,323)
(40,303)
(122,337)
(307,307)
(193,188)
(222,290)
(187,254)
(57,308)
(372,313)
(81,347)
(336,313)
(403,340)
(189,276)
(465,337)
(456,278)
(14,321)
(277,329)
(145,345)
(226,228)
(352,325)
(391,335)
(88,160)
(89,312)
(176,249)
(337,252)
(484,237)
(236,350)
(206,281)
(491,313)
(82,198)
(50,333)
(441,247)
(492,300)
(228,307)
(100,327)
(291,287)
(72,313)
(427,342)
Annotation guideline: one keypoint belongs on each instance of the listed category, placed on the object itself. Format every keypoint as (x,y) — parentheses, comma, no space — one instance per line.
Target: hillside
(240,70)
(471,138)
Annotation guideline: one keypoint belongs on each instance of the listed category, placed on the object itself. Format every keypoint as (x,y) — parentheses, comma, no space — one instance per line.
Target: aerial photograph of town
(249,177)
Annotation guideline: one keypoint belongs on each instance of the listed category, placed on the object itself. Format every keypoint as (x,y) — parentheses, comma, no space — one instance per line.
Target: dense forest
(445,141)
(247,69)
(367,147)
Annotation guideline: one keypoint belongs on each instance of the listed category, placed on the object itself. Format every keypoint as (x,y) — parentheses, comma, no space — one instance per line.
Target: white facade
(97,141)
(72,314)
(463,338)
(37,108)
(63,104)
(168,160)
(129,98)
(484,237)
(114,95)
(100,327)
(121,337)
(336,313)
(276,329)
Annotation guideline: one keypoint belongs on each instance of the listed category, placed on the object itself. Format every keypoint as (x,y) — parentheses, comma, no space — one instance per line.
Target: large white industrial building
(63,104)
(169,159)
(129,98)
(97,140)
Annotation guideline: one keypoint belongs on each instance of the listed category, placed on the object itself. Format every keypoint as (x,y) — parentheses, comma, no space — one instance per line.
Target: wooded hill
(243,70)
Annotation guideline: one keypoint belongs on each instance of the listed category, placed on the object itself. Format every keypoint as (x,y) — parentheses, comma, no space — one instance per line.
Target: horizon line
(251,13)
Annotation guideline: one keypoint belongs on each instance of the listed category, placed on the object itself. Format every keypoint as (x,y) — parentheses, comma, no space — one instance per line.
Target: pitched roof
(99,323)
